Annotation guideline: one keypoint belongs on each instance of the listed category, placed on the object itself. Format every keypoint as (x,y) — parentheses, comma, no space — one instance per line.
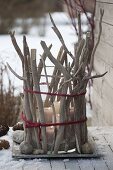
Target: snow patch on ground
(8,163)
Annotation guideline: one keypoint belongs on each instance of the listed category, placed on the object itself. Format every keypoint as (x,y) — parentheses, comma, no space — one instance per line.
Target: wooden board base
(16,154)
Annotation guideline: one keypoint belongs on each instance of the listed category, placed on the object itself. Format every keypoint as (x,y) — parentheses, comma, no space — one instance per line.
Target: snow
(6,161)
(9,163)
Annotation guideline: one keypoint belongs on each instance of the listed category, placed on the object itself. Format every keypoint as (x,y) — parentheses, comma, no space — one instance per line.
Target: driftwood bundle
(49,129)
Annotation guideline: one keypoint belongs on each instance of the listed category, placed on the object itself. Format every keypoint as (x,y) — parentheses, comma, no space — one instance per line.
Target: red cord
(43,83)
(30,124)
(54,94)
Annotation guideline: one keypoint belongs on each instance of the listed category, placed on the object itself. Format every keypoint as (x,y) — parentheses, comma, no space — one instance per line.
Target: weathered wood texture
(103,138)
(102,98)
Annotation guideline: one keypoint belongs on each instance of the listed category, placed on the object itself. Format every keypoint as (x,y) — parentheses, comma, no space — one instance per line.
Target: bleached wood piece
(55,29)
(62,112)
(38,98)
(17,48)
(54,61)
(40,65)
(29,81)
(53,80)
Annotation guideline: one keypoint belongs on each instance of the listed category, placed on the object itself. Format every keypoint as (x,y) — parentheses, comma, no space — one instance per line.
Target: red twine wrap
(30,124)
(43,83)
(54,94)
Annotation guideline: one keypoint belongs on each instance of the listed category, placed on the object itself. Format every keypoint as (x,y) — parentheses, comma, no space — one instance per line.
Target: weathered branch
(38,98)
(17,48)
(78,52)
(29,83)
(19,77)
(79,27)
(95,76)
(60,37)
(56,75)
(53,60)
(52,104)
(62,112)
(40,65)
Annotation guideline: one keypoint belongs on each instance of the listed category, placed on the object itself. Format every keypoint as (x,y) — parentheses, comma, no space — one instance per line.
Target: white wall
(103,88)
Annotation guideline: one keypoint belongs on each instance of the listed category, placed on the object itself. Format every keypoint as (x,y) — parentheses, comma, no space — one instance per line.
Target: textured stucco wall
(102,97)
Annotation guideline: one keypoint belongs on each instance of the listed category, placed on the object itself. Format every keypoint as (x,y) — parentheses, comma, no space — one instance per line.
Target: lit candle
(48,114)
(50,134)
(48,117)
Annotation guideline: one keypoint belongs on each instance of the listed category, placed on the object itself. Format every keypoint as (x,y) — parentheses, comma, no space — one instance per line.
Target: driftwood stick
(52,105)
(27,65)
(72,78)
(39,99)
(57,79)
(79,27)
(78,51)
(40,65)
(55,29)
(28,115)
(59,90)
(27,55)
(28,97)
(19,77)
(95,76)
(17,48)
(29,82)
(62,112)
(67,110)
(53,60)
(53,80)
(26,109)
(25,47)
(85,49)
